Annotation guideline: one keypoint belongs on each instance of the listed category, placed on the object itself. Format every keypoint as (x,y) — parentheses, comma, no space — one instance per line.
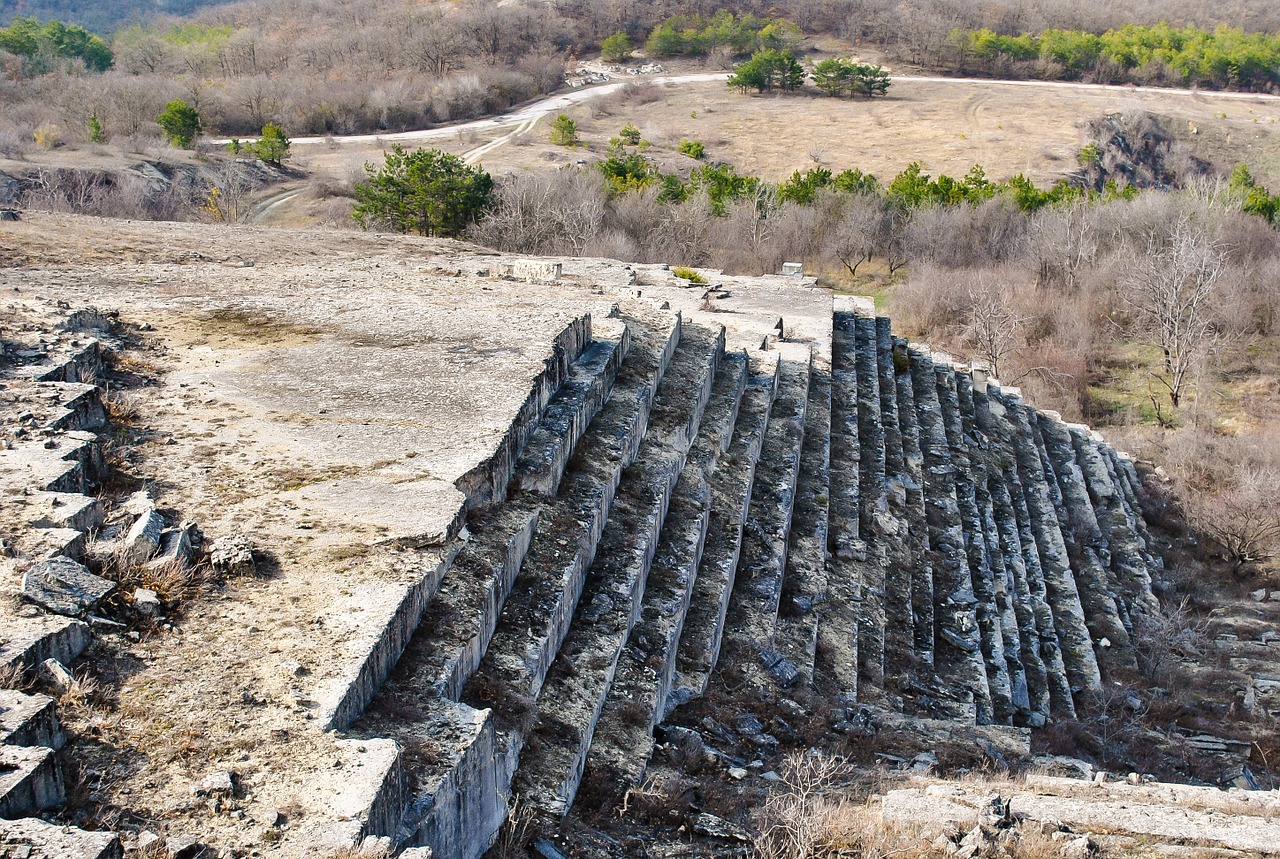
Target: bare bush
(1164,638)
(804,814)
(1242,521)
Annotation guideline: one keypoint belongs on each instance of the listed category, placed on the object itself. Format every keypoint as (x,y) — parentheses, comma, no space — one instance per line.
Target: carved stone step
(623,738)
(487,482)
(389,616)
(1087,549)
(1080,665)
(757,591)
(29,720)
(537,614)
(576,687)
(805,585)
(1048,688)
(41,840)
(460,772)
(542,462)
(875,524)
(837,656)
(731,487)
(30,781)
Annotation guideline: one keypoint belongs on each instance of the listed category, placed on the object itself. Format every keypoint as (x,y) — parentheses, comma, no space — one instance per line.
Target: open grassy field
(948,125)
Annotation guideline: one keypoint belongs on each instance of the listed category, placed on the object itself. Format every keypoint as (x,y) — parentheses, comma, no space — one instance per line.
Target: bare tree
(856,231)
(437,43)
(1062,242)
(992,326)
(257,97)
(226,200)
(1171,288)
(518,220)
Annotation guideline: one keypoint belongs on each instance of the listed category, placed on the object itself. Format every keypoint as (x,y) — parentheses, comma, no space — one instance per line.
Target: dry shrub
(323,187)
(637,93)
(14,676)
(1163,639)
(658,800)
(517,832)
(173,581)
(82,697)
(123,407)
(810,817)
(806,817)
(1242,521)
(15,141)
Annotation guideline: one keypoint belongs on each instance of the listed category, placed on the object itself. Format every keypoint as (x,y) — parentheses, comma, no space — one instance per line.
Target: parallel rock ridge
(1001,550)
(859,514)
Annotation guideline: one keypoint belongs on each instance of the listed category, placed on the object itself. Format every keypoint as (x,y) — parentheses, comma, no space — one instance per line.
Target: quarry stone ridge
(479,534)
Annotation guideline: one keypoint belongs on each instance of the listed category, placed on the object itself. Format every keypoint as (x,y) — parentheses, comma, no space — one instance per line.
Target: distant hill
(100,16)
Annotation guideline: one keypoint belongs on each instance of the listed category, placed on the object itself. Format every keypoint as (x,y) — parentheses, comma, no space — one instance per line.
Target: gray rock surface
(64,586)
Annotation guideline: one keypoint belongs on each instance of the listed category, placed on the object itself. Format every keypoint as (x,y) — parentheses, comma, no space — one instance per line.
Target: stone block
(29,720)
(36,839)
(30,641)
(64,586)
(533,270)
(143,539)
(232,555)
(30,781)
(177,545)
(57,675)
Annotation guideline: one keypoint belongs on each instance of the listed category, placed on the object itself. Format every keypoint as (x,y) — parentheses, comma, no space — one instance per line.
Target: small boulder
(64,586)
(924,763)
(182,846)
(1239,776)
(143,539)
(217,784)
(232,555)
(146,601)
(717,827)
(57,675)
(1079,848)
(177,545)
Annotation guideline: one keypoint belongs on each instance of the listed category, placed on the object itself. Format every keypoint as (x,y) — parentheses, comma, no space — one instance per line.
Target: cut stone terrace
(576,501)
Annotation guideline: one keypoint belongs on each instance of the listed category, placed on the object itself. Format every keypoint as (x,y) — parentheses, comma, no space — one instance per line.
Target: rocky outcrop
(850,512)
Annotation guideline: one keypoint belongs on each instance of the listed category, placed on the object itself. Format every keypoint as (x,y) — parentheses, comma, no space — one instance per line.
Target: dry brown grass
(517,832)
(172,581)
(14,676)
(948,126)
(123,407)
(82,698)
(811,816)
